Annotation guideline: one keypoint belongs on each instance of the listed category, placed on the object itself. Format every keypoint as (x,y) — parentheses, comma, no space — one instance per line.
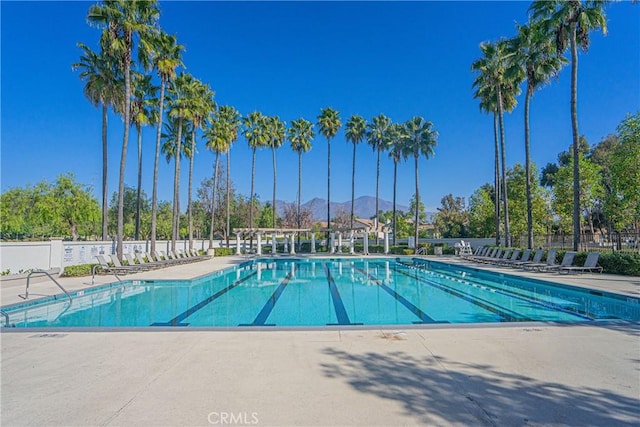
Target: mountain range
(364,207)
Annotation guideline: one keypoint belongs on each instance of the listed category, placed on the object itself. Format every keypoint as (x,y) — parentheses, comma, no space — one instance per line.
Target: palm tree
(500,77)
(180,108)
(231,120)
(355,133)
(394,140)
(535,53)
(142,114)
(276,133)
(375,137)
(570,22)
(201,99)
(300,135)
(419,140)
(256,136)
(166,57)
(122,20)
(217,141)
(328,124)
(103,88)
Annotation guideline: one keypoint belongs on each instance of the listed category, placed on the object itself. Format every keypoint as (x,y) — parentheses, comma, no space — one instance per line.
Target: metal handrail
(26,293)
(6,318)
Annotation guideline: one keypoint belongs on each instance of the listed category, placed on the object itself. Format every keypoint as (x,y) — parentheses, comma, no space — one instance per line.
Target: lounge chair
(151,263)
(507,252)
(103,265)
(477,252)
(590,264)
(513,258)
(132,262)
(567,260)
(551,260)
(133,268)
(537,257)
(493,255)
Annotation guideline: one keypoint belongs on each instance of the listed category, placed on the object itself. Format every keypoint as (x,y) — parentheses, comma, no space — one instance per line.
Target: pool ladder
(6,319)
(26,293)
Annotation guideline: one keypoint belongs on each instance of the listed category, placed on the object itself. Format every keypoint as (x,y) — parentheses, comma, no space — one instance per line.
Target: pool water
(320,292)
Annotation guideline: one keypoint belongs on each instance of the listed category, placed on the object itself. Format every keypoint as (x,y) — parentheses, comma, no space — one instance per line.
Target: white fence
(22,256)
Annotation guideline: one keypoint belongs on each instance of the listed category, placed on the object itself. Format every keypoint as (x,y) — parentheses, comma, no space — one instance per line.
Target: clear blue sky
(294,58)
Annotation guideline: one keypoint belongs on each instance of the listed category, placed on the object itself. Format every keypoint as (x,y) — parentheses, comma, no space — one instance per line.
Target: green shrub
(78,270)
(223,251)
(627,264)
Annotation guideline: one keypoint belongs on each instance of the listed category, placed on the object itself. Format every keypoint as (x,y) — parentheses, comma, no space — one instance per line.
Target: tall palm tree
(143,113)
(535,53)
(375,137)
(215,134)
(394,139)
(276,134)
(570,22)
(201,99)
(166,58)
(419,140)
(122,21)
(498,75)
(300,135)
(180,108)
(355,132)
(104,88)
(328,124)
(256,136)
(231,119)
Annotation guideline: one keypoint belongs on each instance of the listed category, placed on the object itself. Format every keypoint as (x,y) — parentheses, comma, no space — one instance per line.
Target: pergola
(336,236)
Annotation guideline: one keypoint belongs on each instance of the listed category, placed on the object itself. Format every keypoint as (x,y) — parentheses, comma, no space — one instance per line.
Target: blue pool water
(320,292)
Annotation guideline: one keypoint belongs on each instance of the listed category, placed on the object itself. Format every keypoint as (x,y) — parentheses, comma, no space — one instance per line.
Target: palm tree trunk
(139,130)
(328,189)
(213,200)
(175,224)
(375,218)
(193,153)
(353,184)
(574,127)
(415,230)
(275,180)
(105,151)
(395,175)
(527,152)
(154,197)
(228,195)
(496,177)
(253,177)
(505,198)
(299,193)
(125,144)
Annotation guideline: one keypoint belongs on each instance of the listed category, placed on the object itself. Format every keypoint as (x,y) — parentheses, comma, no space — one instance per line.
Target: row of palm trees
(114,80)
(534,55)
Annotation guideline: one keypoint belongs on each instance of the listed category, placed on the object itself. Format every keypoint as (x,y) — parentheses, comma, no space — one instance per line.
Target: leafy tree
(266,218)
(294,217)
(328,125)
(625,173)
(570,22)
(451,219)
(481,210)
(591,191)
(355,133)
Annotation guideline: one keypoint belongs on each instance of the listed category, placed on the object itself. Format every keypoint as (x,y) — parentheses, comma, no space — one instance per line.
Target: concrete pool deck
(501,374)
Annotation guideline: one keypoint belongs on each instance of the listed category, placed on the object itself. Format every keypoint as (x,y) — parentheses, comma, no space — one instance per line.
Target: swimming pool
(324,292)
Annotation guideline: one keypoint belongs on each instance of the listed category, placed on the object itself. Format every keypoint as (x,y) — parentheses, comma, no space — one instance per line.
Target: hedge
(223,251)
(78,270)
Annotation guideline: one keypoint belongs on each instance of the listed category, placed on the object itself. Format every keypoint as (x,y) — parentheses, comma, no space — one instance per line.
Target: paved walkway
(496,375)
